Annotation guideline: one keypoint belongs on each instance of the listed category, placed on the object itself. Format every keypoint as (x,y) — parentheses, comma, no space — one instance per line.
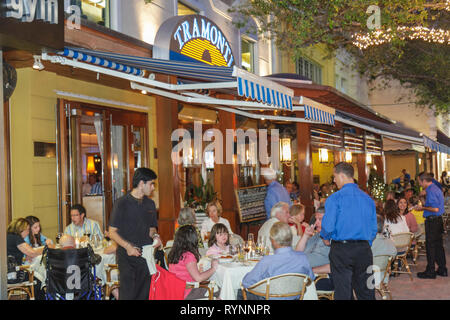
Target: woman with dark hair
(36,238)
(183,259)
(395,222)
(402,204)
(219,240)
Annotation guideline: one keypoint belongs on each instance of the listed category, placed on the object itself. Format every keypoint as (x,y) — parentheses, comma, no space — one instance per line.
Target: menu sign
(251,203)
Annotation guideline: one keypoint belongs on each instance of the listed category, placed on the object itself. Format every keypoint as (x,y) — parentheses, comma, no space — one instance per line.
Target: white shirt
(398,227)
(208,224)
(264,232)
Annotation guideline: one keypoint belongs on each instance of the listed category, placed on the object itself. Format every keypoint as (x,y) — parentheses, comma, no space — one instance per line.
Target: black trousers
(349,263)
(134,277)
(434,228)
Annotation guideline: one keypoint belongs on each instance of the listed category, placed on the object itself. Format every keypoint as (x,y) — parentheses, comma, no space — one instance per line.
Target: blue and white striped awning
(263,90)
(247,84)
(435,146)
(318,112)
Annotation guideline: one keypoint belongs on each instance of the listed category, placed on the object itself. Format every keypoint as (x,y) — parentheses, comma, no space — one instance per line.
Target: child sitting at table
(219,240)
(183,259)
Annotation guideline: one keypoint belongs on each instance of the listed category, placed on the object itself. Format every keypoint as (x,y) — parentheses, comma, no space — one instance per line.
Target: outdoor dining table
(229,275)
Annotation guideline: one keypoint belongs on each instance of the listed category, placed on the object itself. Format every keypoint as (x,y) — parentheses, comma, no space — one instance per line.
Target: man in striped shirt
(81,224)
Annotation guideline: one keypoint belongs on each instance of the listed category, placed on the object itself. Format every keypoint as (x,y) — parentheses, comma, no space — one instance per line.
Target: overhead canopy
(395,145)
(435,146)
(264,92)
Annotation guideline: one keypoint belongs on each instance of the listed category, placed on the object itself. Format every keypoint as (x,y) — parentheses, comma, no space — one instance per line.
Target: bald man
(67,242)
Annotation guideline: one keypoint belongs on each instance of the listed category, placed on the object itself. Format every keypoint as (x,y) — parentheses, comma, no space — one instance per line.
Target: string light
(379,37)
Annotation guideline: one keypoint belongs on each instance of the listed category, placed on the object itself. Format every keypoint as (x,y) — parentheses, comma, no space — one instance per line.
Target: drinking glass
(250,239)
(58,236)
(247,247)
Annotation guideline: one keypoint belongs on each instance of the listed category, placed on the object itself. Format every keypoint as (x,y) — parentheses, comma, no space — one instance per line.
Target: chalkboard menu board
(251,203)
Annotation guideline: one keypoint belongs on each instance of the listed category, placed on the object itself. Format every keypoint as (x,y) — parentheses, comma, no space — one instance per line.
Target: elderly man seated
(67,242)
(279,213)
(312,245)
(285,260)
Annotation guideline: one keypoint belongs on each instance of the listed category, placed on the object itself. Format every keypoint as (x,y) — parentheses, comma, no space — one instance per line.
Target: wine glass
(247,247)
(58,236)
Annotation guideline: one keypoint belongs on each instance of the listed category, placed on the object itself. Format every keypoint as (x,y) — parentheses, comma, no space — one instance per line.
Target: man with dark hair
(350,222)
(133,225)
(81,225)
(434,228)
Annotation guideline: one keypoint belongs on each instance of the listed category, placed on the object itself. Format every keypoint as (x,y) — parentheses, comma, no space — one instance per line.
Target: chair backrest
(403,240)
(69,272)
(285,285)
(236,239)
(382,262)
(166,250)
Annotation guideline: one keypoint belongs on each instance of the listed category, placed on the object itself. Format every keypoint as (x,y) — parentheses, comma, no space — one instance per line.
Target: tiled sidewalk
(402,288)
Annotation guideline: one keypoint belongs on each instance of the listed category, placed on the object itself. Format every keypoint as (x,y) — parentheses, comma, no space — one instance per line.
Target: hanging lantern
(348,157)
(323,155)
(285,149)
(90,165)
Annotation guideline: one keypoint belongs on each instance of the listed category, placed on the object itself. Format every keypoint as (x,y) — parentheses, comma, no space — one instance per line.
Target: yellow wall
(323,170)
(32,108)
(317,54)
(395,164)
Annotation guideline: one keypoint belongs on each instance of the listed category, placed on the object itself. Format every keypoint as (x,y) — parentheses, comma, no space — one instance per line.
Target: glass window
(184,10)
(94,10)
(248,55)
(310,70)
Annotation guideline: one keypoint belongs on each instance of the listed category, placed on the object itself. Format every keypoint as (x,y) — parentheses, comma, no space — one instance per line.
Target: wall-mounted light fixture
(348,157)
(369,158)
(323,155)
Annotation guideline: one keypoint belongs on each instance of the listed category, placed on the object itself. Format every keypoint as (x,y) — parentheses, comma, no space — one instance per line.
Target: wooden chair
(329,295)
(25,288)
(166,250)
(209,285)
(403,244)
(284,285)
(384,268)
(419,248)
(110,284)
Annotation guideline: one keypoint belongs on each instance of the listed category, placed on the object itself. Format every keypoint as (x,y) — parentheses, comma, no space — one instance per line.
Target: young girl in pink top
(183,259)
(219,240)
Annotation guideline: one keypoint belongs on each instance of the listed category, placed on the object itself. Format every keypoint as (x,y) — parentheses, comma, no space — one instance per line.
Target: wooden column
(225,175)
(168,182)
(362,174)
(305,170)
(378,160)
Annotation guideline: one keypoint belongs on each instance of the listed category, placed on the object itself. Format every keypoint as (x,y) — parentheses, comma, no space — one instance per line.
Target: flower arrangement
(198,197)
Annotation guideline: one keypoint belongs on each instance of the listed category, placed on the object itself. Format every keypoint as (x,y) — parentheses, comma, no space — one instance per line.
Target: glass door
(99,149)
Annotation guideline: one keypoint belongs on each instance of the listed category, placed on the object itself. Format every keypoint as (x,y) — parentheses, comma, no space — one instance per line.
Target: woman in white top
(394,222)
(214,212)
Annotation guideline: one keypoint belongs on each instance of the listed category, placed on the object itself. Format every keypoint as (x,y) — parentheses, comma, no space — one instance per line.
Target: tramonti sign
(193,38)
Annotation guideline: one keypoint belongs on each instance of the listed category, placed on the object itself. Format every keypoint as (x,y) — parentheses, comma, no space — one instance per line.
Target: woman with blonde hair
(214,212)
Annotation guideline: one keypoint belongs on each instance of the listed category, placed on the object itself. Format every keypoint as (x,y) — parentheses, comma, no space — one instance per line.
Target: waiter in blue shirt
(350,222)
(275,191)
(434,228)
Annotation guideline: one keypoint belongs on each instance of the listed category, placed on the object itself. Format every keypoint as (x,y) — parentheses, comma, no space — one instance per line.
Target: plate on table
(225,259)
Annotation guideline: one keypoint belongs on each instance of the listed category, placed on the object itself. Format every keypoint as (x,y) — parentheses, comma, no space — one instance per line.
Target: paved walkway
(402,288)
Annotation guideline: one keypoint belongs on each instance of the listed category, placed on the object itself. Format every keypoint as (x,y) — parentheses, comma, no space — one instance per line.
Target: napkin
(148,255)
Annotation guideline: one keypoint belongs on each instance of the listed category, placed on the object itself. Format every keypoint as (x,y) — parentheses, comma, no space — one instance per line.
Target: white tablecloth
(228,277)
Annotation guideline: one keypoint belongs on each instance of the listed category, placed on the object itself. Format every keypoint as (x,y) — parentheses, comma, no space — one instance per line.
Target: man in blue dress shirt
(350,222)
(434,227)
(275,191)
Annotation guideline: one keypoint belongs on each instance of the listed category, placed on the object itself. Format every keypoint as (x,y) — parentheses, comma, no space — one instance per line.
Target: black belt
(349,241)
(433,217)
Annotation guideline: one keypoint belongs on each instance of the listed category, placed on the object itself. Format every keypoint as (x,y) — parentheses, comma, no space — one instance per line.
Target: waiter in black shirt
(133,225)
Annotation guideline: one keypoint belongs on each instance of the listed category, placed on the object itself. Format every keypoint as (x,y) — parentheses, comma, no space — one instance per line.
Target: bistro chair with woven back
(71,274)
(383,262)
(20,281)
(281,286)
(403,243)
